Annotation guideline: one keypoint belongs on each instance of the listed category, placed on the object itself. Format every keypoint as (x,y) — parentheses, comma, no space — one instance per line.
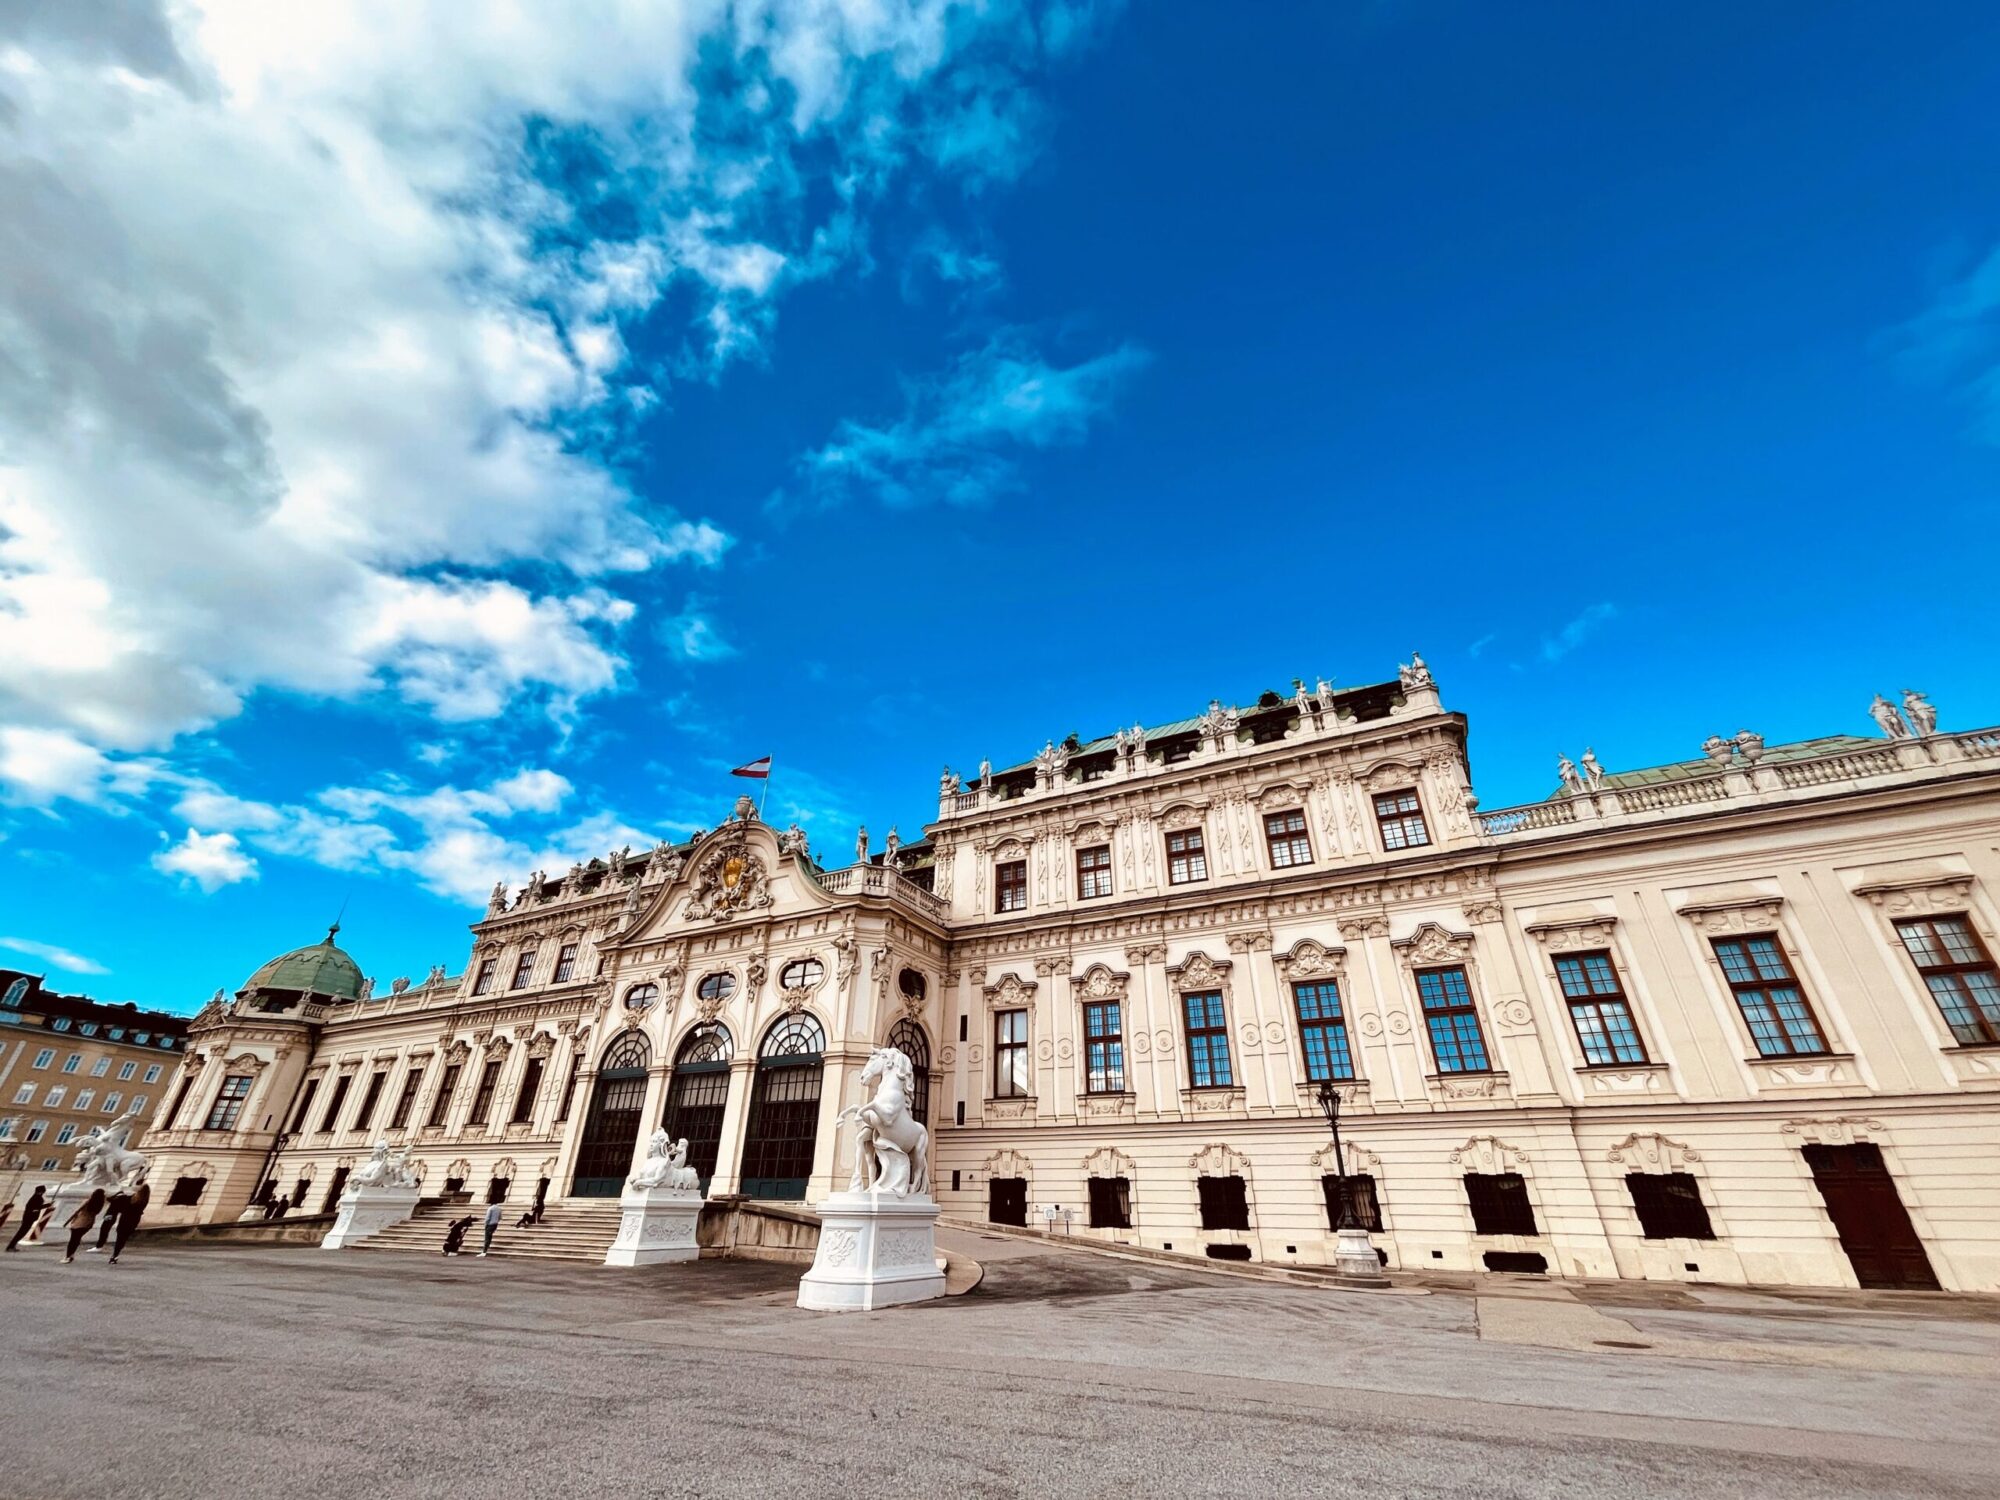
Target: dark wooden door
(1869,1217)
(1007,1200)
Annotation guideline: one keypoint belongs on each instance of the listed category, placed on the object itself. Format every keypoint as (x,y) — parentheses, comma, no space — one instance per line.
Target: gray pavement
(201,1371)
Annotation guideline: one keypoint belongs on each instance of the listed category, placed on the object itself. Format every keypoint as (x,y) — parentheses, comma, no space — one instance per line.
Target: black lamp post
(1329,1103)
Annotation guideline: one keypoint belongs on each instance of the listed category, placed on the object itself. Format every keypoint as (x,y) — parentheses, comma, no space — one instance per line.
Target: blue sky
(433,446)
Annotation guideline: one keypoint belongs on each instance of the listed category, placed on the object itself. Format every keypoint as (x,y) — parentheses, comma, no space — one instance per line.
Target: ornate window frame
(1100,984)
(1489,1155)
(1562,932)
(1745,910)
(1310,961)
(1196,974)
(1650,1152)
(1361,1162)
(1110,1162)
(1218,1159)
(1431,945)
(1927,889)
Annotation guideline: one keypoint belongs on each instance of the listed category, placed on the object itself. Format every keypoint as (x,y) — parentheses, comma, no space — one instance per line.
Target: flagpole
(762,795)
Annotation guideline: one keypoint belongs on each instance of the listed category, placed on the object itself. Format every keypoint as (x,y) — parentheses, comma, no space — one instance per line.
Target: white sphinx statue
(384,1169)
(106,1162)
(891,1147)
(666,1166)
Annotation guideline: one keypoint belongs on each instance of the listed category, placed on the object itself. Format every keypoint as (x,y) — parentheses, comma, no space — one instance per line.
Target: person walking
(128,1218)
(79,1222)
(30,1216)
(492,1223)
(454,1237)
(112,1210)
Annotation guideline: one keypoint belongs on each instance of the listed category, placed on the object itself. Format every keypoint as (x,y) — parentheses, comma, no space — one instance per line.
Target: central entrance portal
(611,1131)
(698,1095)
(784,1110)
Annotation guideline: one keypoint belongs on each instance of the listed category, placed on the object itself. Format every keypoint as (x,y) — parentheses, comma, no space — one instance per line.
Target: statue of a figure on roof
(985,773)
(1883,712)
(1303,700)
(1417,674)
(892,849)
(947,784)
(1918,710)
(1566,769)
(792,841)
(1593,772)
(399,984)
(861,845)
(436,975)
(497,902)
(616,862)
(534,890)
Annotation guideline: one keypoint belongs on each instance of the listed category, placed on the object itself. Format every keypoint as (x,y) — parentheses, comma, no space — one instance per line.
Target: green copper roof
(321,969)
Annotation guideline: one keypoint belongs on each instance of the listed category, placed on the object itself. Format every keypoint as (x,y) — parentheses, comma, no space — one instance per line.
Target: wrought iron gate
(698,1096)
(784,1110)
(604,1157)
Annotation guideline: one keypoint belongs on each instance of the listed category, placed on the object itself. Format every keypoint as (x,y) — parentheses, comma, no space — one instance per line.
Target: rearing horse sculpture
(891,1147)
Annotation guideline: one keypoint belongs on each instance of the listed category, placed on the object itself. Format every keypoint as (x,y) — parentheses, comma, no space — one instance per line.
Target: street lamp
(1354,1257)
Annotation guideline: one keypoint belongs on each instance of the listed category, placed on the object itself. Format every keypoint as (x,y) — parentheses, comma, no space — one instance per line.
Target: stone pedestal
(655,1225)
(366,1210)
(875,1250)
(1355,1260)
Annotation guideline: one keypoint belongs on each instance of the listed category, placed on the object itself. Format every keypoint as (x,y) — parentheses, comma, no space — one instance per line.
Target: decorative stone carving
(729,880)
(1011,992)
(385,1168)
(1218,1160)
(1917,709)
(1651,1153)
(891,1147)
(1431,944)
(1145,953)
(1258,940)
(665,1166)
(1485,1153)
(1916,890)
(103,1160)
(1561,932)
(1199,972)
(1109,1161)
(1843,1130)
(1099,982)
(1481,911)
(1883,712)
(1307,959)
(1417,674)
(1734,913)
(1362,926)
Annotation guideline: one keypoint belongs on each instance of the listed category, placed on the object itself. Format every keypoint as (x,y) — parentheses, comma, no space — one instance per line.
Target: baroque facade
(1734,1019)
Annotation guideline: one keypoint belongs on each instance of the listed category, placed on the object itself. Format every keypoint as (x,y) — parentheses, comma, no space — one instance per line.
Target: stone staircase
(572,1229)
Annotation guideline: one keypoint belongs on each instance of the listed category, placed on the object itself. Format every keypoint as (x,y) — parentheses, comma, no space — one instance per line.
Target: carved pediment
(1012,992)
(1651,1152)
(1389,776)
(1180,816)
(1199,972)
(1311,960)
(1563,929)
(1109,1161)
(1732,908)
(1485,1153)
(1218,1160)
(1099,982)
(1915,888)
(1281,796)
(1432,944)
(730,878)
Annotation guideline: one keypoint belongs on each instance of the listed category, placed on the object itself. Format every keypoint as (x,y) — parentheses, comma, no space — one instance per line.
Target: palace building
(1734,1019)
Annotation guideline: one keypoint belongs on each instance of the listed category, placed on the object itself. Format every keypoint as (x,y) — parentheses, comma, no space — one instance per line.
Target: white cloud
(693,635)
(1958,337)
(1577,631)
(313,360)
(208,860)
(49,953)
(960,429)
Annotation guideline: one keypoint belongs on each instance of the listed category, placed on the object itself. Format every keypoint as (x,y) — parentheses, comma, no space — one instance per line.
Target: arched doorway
(908,1038)
(699,1093)
(784,1110)
(604,1158)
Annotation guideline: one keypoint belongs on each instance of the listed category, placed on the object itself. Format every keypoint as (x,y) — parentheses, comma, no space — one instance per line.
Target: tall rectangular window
(524,969)
(70,1063)
(1010,1055)
(1010,882)
(1499,1202)
(138,1105)
(1110,1203)
(331,1119)
(152,1074)
(36,1131)
(370,1097)
(565,963)
(1323,1030)
(126,1070)
(55,1097)
(447,1086)
(1599,1010)
(482,1098)
(99,1068)
(569,1089)
(1774,1007)
(66,1133)
(1456,1040)
(1187,859)
(1360,1193)
(484,983)
(524,1096)
(1103,1048)
(228,1102)
(1401,818)
(407,1100)
(1225,1202)
(44,1057)
(1208,1041)
(1669,1206)
(25,1094)
(111,1102)
(1285,836)
(1093,872)
(298,1116)
(1958,972)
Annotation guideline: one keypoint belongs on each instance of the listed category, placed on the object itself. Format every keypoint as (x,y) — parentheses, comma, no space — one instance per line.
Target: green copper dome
(321,969)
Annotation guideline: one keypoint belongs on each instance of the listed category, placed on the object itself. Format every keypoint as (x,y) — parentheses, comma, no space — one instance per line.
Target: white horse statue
(891,1148)
(385,1169)
(666,1166)
(105,1161)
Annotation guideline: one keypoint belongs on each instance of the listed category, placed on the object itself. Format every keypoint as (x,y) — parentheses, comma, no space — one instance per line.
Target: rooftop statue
(947,783)
(1592,771)
(891,1149)
(1566,769)
(497,902)
(892,849)
(861,845)
(1883,712)
(985,773)
(792,840)
(1917,708)
(1416,675)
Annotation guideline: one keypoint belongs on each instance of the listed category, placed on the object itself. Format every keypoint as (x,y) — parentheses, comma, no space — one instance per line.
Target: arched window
(908,1038)
(716,987)
(797,1036)
(707,1043)
(641,995)
(801,974)
(628,1049)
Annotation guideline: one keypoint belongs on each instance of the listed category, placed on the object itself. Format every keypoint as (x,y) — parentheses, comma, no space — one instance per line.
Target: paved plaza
(199,1371)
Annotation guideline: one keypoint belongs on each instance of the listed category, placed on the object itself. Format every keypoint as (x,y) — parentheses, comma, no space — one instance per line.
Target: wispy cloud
(49,953)
(1577,631)
(208,860)
(962,430)
(694,635)
(1480,645)
(1957,338)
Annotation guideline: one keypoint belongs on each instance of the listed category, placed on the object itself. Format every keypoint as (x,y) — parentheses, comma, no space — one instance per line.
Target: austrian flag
(757,770)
